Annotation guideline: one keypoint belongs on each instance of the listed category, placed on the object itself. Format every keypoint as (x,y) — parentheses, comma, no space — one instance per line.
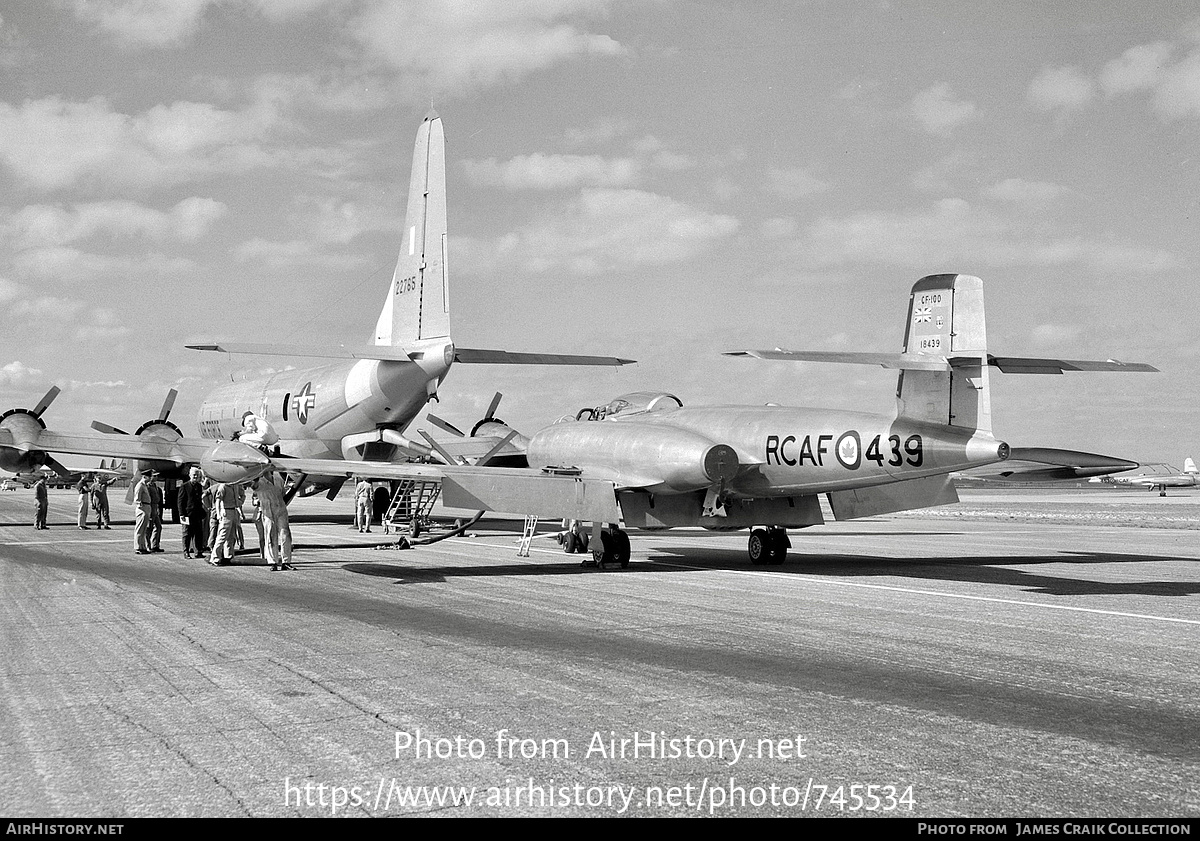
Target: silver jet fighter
(763,467)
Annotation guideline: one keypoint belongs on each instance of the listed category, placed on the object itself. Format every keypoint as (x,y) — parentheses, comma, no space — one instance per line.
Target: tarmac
(1017,655)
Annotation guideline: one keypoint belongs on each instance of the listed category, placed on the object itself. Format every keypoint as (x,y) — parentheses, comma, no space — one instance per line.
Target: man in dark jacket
(192,516)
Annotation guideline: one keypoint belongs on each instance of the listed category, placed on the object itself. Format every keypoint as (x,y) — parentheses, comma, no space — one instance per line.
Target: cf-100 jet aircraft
(763,467)
(1189,478)
(358,405)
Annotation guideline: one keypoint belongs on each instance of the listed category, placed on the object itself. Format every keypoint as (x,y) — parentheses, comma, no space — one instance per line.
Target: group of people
(210,513)
(93,495)
(211,516)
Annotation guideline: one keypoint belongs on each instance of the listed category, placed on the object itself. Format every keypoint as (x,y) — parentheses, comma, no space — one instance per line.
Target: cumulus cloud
(939,112)
(1138,68)
(1061,89)
(956,235)
(480,44)
(51,144)
(16,374)
(40,225)
(554,172)
(604,230)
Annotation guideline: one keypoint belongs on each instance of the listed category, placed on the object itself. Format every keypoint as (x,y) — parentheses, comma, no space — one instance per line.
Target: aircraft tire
(623,552)
(571,544)
(776,546)
(759,546)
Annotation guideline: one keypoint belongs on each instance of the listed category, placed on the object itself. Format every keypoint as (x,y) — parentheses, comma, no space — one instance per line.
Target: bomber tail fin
(945,322)
(417,305)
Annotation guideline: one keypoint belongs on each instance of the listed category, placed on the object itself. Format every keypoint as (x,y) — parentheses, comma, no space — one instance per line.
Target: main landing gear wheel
(616,549)
(768,546)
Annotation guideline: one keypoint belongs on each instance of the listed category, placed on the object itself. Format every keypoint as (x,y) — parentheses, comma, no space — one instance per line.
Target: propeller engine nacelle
(24,426)
(155,429)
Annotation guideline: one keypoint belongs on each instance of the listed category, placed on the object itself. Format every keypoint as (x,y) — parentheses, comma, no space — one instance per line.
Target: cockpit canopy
(634,403)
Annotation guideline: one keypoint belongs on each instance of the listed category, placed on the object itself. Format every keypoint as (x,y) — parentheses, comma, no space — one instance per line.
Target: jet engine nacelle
(233,461)
(24,426)
(652,456)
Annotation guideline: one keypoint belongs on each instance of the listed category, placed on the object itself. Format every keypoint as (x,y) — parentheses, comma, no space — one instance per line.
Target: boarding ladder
(531,523)
(412,501)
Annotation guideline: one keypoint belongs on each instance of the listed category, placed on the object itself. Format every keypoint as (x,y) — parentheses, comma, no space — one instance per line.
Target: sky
(661,180)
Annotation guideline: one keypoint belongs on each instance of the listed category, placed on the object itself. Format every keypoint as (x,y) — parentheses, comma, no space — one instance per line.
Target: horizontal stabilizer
(1047,464)
(387,352)
(932,362)
(1031,365)
(903,361)
(478,356)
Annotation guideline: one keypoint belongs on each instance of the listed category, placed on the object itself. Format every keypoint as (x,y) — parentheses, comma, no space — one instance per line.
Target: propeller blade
(491,412)
(446,425)
(100,426)
(168,404)
(55,465)
(45,402)
(500,446)
(441,451)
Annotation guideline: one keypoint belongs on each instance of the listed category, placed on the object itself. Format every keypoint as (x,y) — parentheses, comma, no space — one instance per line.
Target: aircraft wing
(393,352)
(178,451)
(511,490)
(1048,464)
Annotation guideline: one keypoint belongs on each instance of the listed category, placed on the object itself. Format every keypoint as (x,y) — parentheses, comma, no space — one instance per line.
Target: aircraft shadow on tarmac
(684,560)
(975,570)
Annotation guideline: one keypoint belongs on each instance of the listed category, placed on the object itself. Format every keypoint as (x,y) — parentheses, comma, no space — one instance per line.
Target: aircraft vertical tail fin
(1189,466)
(417,305)
(945,319)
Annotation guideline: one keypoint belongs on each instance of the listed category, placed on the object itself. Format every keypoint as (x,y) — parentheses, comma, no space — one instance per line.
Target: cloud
(600,231)
(794,182)
(18,375)
(155,23)
(939,112)
(1178,92)
(553,172)
(50,144)
(480,44)
(1053,335)
(1138,68)
(40,225)
(1062,89)
(1020,191)
(954,235)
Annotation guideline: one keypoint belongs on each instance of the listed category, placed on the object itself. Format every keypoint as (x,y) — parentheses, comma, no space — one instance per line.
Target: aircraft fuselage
(780,451)
(314,409)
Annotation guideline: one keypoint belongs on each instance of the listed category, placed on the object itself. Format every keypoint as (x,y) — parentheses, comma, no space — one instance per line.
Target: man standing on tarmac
(85,497)
(275,521)
(141,520)
(41,502)
(227,499)
(192,515)
(154,532)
